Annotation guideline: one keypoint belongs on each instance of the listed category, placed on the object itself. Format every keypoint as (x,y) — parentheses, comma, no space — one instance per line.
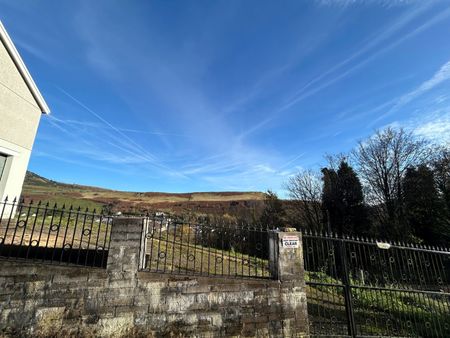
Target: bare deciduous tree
(305,189)
(382,161)
(335,160)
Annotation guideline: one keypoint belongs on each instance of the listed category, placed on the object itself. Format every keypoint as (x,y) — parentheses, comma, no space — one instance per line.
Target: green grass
(166,254)
(55,229)
(392,312)
(67,201)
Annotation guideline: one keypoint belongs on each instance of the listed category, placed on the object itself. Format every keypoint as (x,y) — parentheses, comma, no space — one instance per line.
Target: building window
(2,164)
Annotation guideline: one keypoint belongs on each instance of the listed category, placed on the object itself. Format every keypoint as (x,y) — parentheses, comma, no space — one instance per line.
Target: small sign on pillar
(291,242)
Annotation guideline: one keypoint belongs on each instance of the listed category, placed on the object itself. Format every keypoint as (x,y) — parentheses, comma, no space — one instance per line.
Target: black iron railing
(48,233)
(363,287)
(205,248)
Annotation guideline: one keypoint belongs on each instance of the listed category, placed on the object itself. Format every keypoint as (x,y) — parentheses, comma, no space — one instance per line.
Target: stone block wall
(42,300)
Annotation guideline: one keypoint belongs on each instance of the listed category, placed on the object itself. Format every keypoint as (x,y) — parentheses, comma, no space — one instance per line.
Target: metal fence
(51,234)
(207,248)
(364,288)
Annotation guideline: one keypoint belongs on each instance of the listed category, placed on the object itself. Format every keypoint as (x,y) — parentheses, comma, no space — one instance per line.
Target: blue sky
(225,95)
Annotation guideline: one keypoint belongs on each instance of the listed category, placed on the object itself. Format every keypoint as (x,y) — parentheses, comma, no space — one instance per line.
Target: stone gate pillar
(125,248)
(286,255)
(286,265)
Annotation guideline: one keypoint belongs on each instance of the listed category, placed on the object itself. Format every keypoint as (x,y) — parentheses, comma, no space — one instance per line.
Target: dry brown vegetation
(39,188)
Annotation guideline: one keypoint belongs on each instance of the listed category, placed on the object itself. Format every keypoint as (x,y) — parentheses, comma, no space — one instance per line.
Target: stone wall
(39,300)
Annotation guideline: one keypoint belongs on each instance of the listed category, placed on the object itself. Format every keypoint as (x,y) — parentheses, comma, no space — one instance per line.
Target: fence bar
(206,247)
(54,235)
(360,287)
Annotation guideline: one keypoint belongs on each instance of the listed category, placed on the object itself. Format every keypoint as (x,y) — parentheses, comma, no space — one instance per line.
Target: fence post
(286,255)
(125,247)
(345,277)
(286,265)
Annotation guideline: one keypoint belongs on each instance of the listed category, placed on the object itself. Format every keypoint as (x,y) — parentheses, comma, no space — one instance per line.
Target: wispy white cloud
(437,130)
(107,144)
(79,142)
(383,3)
(371,45)
(223,170)
(81,163)
(441,76)
(372,50)
(206,129)
(172,84)
(252,178)
(33,50)
(434,126)
(96,125)
(431,121)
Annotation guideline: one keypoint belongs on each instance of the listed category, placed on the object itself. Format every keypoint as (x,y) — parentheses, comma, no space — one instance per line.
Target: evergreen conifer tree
(424,210)
(343,201)
(354,214)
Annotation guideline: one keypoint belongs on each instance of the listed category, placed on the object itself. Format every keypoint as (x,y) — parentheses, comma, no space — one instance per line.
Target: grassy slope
(40,188)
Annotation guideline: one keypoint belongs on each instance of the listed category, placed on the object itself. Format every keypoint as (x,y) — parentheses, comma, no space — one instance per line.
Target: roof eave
(15,56)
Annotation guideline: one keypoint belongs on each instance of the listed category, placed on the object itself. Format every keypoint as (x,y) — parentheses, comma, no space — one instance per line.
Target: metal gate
(367,288)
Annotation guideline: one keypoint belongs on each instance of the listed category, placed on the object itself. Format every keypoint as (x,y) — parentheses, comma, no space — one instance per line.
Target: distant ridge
(33,179)
(37,187)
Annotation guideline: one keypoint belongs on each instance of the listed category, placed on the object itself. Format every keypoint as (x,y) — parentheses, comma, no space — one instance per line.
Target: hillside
(40,188)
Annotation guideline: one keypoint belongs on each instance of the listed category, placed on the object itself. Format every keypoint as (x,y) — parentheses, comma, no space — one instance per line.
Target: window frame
(3,167)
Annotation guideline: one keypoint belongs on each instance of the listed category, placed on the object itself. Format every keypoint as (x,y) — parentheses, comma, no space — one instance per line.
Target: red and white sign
(290,242)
